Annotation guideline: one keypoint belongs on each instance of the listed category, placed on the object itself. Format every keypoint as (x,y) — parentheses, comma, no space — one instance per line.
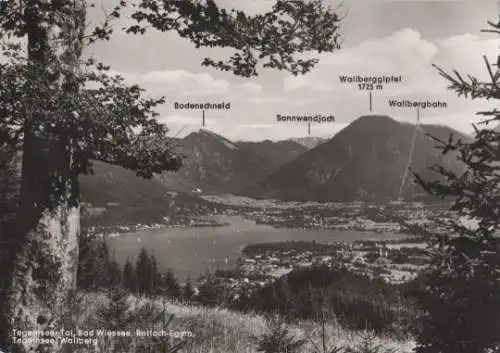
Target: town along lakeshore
(193,251)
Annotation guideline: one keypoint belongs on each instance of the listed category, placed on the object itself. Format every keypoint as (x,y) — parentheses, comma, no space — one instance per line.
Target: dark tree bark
(46,253)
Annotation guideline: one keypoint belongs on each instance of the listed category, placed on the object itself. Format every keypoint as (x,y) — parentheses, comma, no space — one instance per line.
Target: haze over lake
(193,251)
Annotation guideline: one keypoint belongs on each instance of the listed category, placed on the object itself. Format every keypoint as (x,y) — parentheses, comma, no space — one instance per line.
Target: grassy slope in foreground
(215,330)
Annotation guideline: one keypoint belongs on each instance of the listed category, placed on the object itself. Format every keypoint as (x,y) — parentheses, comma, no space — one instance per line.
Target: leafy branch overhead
(290,28)
(273,38)
(112,122)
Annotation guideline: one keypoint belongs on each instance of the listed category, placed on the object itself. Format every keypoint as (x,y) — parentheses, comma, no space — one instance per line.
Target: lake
(193,251)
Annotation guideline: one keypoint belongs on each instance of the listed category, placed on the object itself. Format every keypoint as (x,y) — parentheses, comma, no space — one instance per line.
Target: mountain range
(309,141)
(365,161)
(214,164)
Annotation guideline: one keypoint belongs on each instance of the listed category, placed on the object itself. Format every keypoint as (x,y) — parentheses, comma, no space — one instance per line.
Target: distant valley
(365,161)
(214,164)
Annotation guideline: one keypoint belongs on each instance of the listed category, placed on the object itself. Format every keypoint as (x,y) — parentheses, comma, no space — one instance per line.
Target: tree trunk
(44,269)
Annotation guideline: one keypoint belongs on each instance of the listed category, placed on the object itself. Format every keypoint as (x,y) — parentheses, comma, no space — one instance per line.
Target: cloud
(180,125)
(277,100)
(292,83)
(461,121)
(251,87)
(464,53)
(255,103)
(405,53)
(180,81)
(264,100)
(409,54)
(190,119)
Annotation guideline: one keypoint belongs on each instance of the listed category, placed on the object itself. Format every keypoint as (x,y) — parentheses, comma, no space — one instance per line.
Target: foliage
(9,189)
(210,293)
(118,314)
(279,339)
(188,291)
(291,27)
(324,346)
(144,273)
(171,284)
(462,285)
(102,122)
(129,277)
(96,269)
(9,185)
(214,329)
(368,345)
(357,301)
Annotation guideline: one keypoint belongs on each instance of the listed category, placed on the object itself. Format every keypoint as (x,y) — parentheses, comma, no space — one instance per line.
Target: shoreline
(239,221)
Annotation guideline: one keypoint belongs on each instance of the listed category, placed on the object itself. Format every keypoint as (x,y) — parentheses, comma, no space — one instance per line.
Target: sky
(380,37)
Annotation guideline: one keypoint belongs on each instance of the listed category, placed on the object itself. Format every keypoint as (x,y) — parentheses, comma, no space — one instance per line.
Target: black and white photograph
(249,176)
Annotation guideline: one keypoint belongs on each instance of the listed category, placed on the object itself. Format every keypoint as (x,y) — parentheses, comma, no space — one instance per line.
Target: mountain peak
(366,161)
(205,133)
(375,118)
